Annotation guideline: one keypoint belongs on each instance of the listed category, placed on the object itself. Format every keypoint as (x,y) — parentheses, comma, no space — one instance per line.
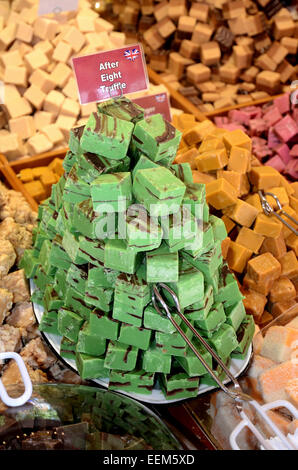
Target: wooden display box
(183,103)
(10,170)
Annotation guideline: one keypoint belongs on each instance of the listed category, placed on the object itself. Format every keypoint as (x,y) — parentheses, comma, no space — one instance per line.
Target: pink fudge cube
(286,128)
(239,116)
(284,152)
(272,116)
(283,103)
(292,169)
(294,151)
(233,126)
(257,127)
(220,120)
(273,140)
(277,163)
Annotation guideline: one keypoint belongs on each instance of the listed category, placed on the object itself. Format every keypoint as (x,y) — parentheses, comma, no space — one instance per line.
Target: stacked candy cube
(108,233)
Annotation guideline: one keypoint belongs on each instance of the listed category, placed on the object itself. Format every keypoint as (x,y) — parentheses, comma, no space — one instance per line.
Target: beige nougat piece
(16,284)
(7,257)
(6,300)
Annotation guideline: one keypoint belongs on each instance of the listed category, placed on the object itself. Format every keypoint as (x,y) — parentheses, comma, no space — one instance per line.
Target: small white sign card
(56,6)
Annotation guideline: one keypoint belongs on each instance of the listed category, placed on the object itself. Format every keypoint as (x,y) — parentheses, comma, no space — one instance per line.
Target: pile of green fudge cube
(95,279)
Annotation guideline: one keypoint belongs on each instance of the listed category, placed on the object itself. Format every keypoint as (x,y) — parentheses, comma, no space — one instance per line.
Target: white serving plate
(156,397)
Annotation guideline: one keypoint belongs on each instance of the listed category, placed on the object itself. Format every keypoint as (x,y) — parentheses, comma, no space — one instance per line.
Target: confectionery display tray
(238,366)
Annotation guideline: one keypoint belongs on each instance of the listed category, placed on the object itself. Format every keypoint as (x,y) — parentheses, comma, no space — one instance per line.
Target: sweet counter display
(216,53)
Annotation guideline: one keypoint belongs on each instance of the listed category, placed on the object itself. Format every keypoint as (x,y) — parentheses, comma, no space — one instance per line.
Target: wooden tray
(183,103)
(9,178)
(10,170)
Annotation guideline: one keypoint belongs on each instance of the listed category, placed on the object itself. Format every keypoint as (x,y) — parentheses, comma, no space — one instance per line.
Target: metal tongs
(268,210)
(236,393)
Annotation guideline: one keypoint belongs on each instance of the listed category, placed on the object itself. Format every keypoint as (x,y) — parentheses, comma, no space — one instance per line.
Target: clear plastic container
(79,417)
(271,375)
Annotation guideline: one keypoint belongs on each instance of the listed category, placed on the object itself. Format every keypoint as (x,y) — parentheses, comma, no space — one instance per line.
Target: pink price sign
(56,6)
(110,74)
(154,104)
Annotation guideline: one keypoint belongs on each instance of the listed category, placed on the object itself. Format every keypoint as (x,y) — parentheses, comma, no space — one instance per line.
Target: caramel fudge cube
(276,246)
(242,213)
(264,177)
(220,194)
(210,53)
(292,243)
(289,265)
(36,190)
(264,267)
(282,290)
(198,73)
(238,138)
(239,159)
(212,160)
(254,303)
(267,226)
(250,239)
(198,132)
(238,257)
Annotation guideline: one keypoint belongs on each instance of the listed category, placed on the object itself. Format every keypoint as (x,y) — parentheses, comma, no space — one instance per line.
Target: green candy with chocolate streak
(107,136)
(122,108)
(156,137)
(120,356)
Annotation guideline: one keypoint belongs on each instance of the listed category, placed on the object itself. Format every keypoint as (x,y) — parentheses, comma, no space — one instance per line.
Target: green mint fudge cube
(136,381)
(167,161)
(58,255)
(191,364)
(29,263)
(219,228)
(131,314)
(37,297)
(75,189)
(67,348)
(89,166)
(66,213)
(142,164)
(162,265)
(189,288)
(75,135)
(173,344)
(206,379)
(122,108)
(100,297)
(179,385)
(69,161)
(245,335)
(103,325)
(60,284)
(212,320)
(49,322)
(138,337)
(111,192)
(89,343)
(91,251)
(60,224)
(142,232)
(119,256)
(228,289)
(52,300)
(45,257)
(69,323)
(99,276)
(156,137)
(235,314)
(120,356)
(132,289)
(208,262)
(195,197)
(183,172)
(158,190)
(71,245)
(154,360)
(179,229)
(57,192)
(206,303)
(76,301)
(77,277)
(86,219)
(106,135)
(224,341)
(90,367)
(41,236)
(41,279)
(154,321)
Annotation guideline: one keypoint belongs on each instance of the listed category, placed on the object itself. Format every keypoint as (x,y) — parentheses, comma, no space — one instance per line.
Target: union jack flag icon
(160,98)
(131,54)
